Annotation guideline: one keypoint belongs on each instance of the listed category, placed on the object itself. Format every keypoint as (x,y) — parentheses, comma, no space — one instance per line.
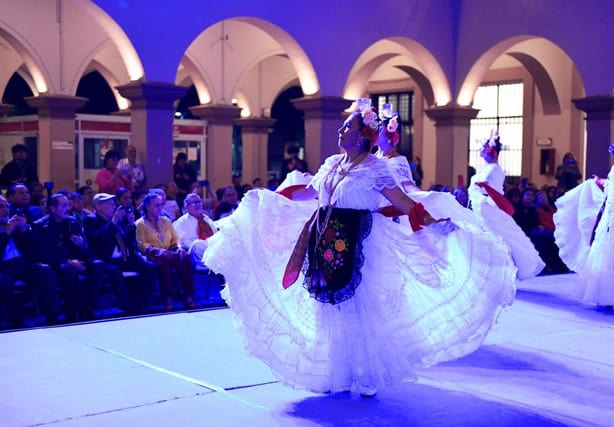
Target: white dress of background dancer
(586,237)
(525,255)
(439,204)
(420,299)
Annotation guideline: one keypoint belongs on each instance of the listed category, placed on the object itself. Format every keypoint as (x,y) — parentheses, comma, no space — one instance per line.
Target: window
(500,108)
(403,103)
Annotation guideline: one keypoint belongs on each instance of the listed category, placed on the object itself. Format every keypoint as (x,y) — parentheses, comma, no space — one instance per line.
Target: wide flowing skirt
(574,221)
(424,298)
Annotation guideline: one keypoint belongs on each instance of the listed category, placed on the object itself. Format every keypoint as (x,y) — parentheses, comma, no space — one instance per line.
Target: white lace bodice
(358,189)
(490,173)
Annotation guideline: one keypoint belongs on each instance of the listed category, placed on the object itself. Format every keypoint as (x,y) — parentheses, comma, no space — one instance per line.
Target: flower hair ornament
(391,121)
(493,145)
(369,119)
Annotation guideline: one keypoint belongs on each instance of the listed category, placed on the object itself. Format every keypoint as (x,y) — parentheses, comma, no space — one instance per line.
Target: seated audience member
(236,182)
(223,210)
(137,202)
(257,183)
(123,198)
(162,194)
(158,240)
(203,189)
(194,228)
(173,200)
(36,190)
(18,262)
(525,214)
(77,211)
(62,245)
(111,235)
(109,178)
(18,197)
(88,195)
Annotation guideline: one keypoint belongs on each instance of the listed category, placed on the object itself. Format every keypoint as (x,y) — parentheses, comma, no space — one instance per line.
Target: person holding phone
(111,234)
(62,245)
(568,173)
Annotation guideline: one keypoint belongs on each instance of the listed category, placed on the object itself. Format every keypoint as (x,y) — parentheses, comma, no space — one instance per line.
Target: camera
(128,209)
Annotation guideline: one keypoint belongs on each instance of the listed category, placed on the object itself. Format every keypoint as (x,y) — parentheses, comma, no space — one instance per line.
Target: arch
(199,78)
(419,63)
(90,63)
(39,75)
(304,69)
(124,46)
(539,73)
(112,81)
(545,86)
(422,81)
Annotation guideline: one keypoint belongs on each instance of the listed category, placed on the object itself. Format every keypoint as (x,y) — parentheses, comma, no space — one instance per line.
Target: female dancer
(485,191)
(439,204)
(373,303)
(584,232)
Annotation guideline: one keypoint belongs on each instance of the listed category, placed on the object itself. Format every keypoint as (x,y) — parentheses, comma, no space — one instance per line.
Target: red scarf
(204,229)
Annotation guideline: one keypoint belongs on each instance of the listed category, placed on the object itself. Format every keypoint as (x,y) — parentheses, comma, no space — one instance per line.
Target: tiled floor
(547,363)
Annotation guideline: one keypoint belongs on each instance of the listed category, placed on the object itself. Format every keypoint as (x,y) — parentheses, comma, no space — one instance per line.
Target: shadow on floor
(412,405)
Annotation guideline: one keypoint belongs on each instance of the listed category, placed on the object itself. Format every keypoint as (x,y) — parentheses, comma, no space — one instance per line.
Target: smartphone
(19,212)
(204,183)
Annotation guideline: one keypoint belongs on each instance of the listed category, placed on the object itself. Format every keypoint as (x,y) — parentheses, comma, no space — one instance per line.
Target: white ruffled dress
(424,298)
(525,255)
(575,221)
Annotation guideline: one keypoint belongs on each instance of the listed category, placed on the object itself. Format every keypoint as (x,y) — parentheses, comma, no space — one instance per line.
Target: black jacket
(100,235)
(53,241)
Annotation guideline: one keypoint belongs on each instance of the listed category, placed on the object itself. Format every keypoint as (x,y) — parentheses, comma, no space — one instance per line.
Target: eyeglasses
(194,203)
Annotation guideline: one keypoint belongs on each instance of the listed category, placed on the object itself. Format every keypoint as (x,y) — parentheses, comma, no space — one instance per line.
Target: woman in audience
(159,242)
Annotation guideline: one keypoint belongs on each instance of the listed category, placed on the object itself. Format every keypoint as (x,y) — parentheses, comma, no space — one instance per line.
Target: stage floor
(547,363)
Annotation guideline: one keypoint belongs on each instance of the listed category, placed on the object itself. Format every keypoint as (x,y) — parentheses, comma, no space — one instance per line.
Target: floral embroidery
(333,245)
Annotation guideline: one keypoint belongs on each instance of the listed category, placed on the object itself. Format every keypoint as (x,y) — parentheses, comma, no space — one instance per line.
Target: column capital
(219,114)
(56,106)
(5,108)
(451,115)
(328,107)
(255,124)
(158,95)
(598,107)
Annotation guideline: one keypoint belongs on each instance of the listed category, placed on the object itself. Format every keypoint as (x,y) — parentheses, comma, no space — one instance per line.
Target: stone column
(220,119)
(452,141)
(56,143)
(323,118)
(152,112)
(599,132)
(255,134)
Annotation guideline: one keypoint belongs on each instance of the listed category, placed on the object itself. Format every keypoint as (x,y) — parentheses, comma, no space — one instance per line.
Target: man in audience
(111,236)
(18,197)
(17,262)
(62,245)
(18,170)
(194,228)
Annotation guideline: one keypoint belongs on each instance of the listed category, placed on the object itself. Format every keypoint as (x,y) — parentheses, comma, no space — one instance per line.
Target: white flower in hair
(393,124)
(369,118)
